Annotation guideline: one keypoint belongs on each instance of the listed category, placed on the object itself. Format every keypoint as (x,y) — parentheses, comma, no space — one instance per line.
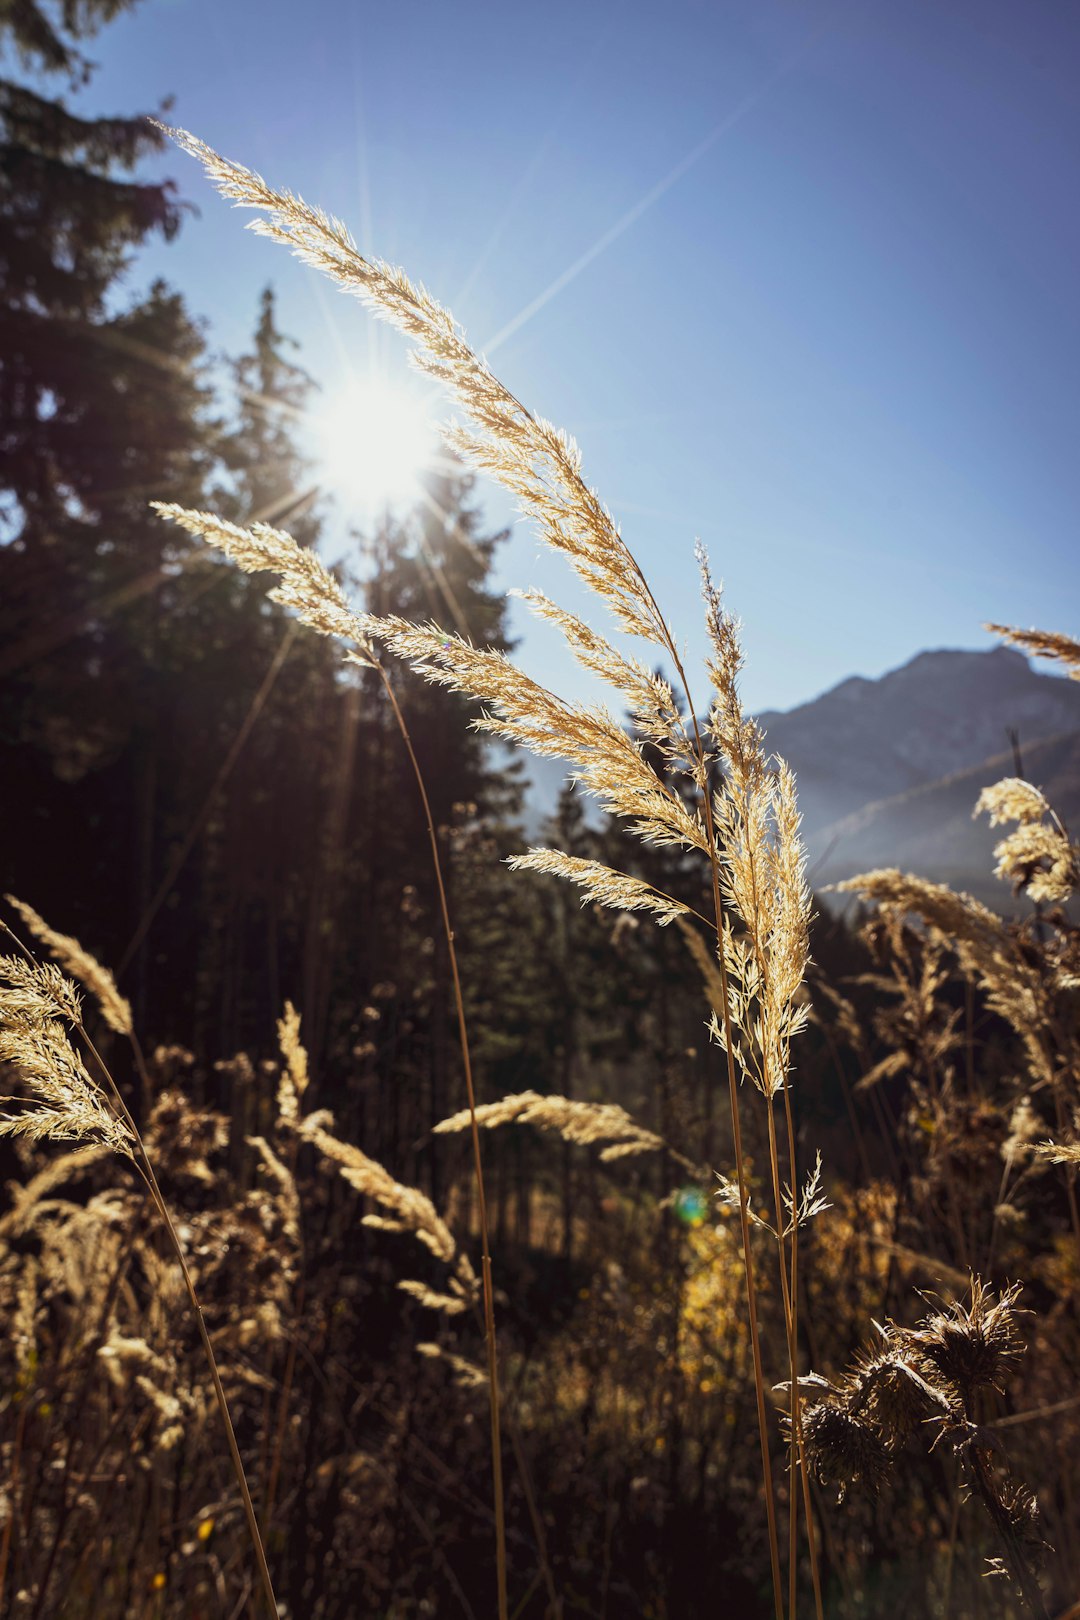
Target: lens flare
(691,1206)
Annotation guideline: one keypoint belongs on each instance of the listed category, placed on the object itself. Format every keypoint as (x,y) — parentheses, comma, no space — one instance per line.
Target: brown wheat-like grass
(38,1009)
(746,827)
(307,587)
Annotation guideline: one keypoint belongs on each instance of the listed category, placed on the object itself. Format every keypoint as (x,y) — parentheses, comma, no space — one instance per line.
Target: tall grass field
(743,1281)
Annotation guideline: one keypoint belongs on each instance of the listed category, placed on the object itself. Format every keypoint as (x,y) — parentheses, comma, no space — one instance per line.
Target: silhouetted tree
(99,410)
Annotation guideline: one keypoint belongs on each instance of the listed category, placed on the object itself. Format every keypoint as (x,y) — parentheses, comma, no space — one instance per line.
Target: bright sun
(374,441)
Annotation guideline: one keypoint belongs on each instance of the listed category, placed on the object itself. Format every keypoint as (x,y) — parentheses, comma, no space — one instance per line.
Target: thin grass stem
(485,1248)
(146,1170)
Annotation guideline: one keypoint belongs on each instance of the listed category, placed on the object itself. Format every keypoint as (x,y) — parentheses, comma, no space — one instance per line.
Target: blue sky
(802,277)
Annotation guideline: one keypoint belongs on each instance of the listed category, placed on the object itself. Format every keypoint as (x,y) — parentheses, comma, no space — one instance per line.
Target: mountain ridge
(888,769)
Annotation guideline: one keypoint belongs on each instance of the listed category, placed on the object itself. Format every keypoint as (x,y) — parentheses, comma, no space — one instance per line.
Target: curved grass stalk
(541,467)
(485,1246)
(128,1141)
(315,595)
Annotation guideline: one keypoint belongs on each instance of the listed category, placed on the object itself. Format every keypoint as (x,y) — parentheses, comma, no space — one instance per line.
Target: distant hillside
(930,830)
(888,770)
(939,714)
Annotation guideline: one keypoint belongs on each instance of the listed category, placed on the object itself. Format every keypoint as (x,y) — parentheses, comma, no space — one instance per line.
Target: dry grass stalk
(315,595)
(1043,644)
(34,998)
(115,1008)
(1037,856)
(541,467)
(583,1123)
(318,600)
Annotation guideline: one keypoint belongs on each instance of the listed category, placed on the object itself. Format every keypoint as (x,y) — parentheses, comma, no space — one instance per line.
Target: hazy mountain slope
(930,830)
(938,715)
(889,770)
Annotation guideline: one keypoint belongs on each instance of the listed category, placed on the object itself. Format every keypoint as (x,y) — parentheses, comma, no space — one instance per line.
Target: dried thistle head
(1022,1511)
(970,1347)
(842,1448)
(885,1386)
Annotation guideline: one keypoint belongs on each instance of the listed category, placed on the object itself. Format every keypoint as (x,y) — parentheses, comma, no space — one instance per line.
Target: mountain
(889,770)
(941,713)
(930,830)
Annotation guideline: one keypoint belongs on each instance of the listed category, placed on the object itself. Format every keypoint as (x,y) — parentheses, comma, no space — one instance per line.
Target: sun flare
(374,441)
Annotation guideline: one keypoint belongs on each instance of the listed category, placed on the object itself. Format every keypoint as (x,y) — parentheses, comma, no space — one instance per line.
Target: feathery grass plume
(763,864)
(115,1009)
(1038,856)
(1060,1152)
(169,1412)
(307,585)
(609,764)
(602,885)
(410,1211)
(121,1351)
(810,1203)
(583,1123)
(36,1002)
(729,1195)
(535,461)
(1043,644)
(294,1075)
(985,948)
(648,696)
(1011,799)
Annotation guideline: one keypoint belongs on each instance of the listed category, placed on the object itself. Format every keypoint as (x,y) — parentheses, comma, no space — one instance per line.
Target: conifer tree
(100,407)
(271,480)
(272,861)
(69,217)
(434,564)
